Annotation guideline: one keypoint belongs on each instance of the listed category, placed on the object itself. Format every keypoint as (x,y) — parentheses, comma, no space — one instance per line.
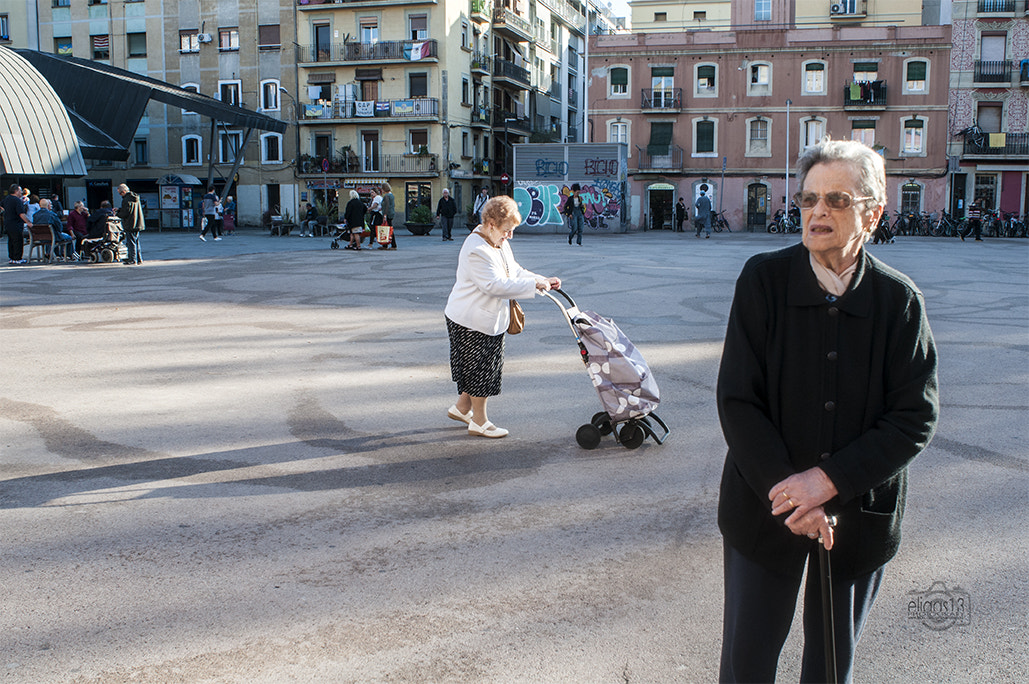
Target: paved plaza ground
(233,464)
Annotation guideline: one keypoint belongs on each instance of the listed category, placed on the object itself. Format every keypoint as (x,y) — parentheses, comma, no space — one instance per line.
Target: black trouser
(759,607)
(15,242)
(975,226)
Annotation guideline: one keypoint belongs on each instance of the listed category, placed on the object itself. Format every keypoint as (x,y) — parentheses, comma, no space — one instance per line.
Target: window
(989,115)
(814,78)
(660,16)
(189,41)
(914,76)
(270,95)
(228,39)
(100,46)
(419,138)
(419,26)
(271,148)
(863,131)
(97,2)
(136,44)
(418,84)
(913,139)
(464,35)
(62,46)
(704,138)
(268,37)
(705,80)
(369,151)
(464,90)
(61,3)
(618,132)
(760,79)
(660,144)
(986,188)
(369,30)
(5,28)
(618,79)
(228,92)
(811,131)
(466,150)
(762,10)
(662,82)
(191,150)
(700,16)
(866,71)
(141,152)
(228,146)
(322,42)
(757,138)
(911,198)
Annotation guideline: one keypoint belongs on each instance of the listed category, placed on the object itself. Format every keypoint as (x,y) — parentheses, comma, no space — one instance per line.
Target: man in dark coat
(132,222)
(680,214)
(446,210)
(16,215)
(826,392)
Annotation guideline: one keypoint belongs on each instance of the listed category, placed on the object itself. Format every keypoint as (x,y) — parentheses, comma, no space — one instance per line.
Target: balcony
(481,117)
(573,135)
(481,63)
(665,99)
(510,74)
(993,73)
(303,5)
(555,91)
(671,161)
(425,165)
(509,24)
(999,145)
(566,13)
(480,166)
(520,125)
(411,109)
(480,11)
(997,7)
(382,51)
(573,98)
(865,95)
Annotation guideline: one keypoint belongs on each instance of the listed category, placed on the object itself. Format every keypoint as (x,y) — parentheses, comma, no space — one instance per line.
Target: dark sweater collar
(803,289)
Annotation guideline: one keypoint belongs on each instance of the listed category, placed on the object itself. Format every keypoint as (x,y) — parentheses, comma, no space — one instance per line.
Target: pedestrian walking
(826,392)
(703,217)
(132,223)
(446,210)
(209,212)
(575,211)
(975,221)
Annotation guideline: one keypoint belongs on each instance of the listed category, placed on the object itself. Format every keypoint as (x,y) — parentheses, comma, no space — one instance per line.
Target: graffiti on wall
(542,204)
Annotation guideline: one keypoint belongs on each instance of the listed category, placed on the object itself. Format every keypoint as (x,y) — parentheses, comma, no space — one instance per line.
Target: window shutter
(619,77)
(660,138)
(705,136)
(916,71)
(661,72)
(815,66)
(862,124)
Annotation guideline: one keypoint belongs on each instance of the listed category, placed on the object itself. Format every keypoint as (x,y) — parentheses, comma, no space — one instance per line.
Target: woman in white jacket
(478,312)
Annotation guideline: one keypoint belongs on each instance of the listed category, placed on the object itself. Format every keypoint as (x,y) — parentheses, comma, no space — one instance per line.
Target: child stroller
(108,248)
(627,389)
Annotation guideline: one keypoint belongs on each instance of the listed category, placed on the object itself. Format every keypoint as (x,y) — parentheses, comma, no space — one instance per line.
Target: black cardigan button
(832,356)
(830,406)
(833,311)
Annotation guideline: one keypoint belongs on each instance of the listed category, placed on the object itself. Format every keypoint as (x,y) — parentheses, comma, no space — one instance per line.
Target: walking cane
(828,623)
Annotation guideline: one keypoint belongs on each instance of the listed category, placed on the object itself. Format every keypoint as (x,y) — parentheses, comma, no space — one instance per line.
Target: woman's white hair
(870,165)
(354,194)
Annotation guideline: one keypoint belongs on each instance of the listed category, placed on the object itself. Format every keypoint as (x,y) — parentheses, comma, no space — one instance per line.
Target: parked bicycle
(945,226)
(992,225)
(718,222)
(1013,225)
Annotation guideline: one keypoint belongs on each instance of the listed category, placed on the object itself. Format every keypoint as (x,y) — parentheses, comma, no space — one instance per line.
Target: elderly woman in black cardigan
(826,392)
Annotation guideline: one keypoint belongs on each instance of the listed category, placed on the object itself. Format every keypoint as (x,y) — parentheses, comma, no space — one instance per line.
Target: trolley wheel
(335,244)
(107,255)
(631,435)
(588,436)
(602,422)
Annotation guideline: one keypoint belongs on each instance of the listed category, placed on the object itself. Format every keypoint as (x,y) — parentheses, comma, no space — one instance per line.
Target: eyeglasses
(837,199)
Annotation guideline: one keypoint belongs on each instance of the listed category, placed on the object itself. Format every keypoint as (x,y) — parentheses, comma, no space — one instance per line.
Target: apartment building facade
(432,94)
(989,106)
(232,51)
(735,109)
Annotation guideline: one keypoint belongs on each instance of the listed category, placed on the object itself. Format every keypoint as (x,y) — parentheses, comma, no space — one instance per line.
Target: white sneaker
(217,239)
(202,238)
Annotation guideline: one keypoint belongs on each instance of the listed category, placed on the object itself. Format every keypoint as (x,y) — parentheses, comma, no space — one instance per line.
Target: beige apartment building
(433,94)
(238,52)
(734,109)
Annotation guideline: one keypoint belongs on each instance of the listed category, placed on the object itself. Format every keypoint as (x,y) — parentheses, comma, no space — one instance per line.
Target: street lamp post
(786,198)
(507,149)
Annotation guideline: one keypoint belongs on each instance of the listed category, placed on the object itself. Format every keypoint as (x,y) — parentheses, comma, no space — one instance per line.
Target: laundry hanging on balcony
(417,51)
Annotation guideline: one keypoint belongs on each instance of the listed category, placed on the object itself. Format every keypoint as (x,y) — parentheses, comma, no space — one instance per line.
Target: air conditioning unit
(207,38)
(836,9)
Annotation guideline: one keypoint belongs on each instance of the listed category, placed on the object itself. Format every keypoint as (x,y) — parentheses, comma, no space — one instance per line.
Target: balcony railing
(480,166)
(480,10)
(670,160)
(360,52)
(665,98)
(505,69)
(566,12)
(505,18)
(411,108)
(996,6)
(513,121)
(573,135)
(993,72)
(481,61)
(1000,144)
(427,164)
(865,94)
(555,91)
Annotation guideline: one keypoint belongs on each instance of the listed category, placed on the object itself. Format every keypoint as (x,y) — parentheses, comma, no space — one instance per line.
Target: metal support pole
(786,197)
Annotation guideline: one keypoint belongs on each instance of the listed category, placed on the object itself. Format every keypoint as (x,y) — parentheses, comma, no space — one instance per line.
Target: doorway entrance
(659,201)
(757,206)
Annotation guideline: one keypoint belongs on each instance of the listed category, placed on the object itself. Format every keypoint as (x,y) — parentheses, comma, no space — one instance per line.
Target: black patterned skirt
(476,360)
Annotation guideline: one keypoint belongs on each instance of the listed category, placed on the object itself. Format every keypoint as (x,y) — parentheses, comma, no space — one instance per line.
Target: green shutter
(657,72)
(706,72)
(705,136)
(916,71)
(860,67)
(660,138)
(814,66)
(862,124)
(913,123)
(619,77)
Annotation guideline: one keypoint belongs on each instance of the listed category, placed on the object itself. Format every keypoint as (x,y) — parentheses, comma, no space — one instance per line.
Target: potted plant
(419,220)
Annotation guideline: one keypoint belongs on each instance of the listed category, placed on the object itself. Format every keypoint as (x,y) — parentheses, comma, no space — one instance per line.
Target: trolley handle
(561,292)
